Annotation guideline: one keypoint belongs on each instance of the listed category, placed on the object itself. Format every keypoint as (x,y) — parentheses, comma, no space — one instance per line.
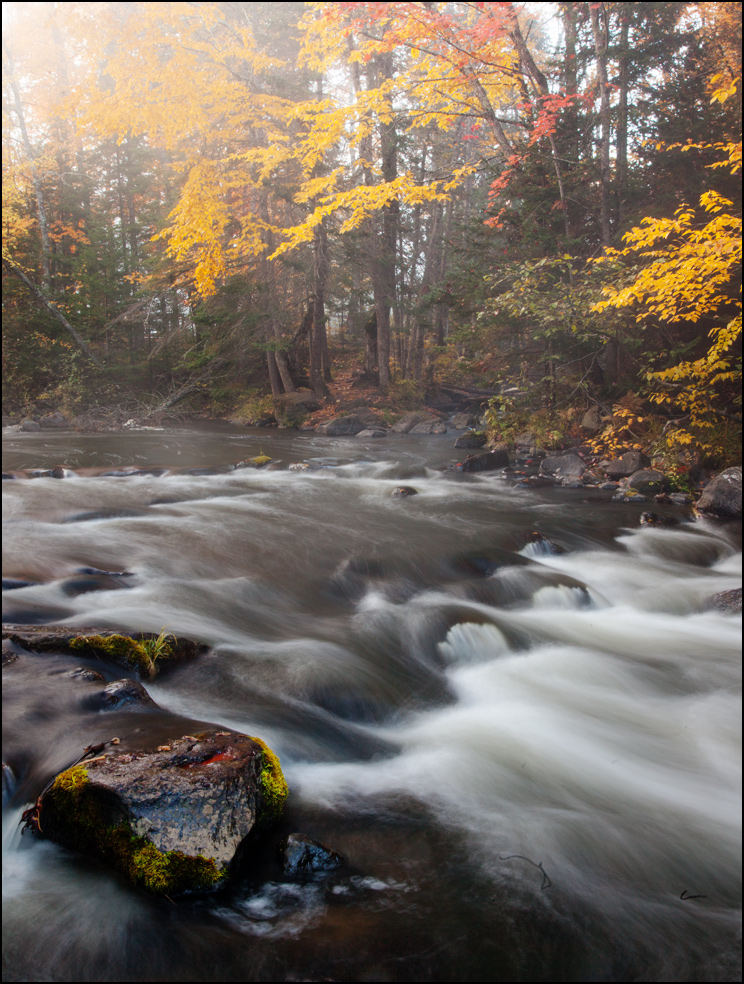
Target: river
(530,759)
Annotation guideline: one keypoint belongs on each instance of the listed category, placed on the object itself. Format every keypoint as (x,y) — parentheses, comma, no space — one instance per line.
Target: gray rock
(342,426)
(403,491)
(722,496)
(86,674)
(290,408)
(429,427)
(171,819)
(526,441)
(122,693)
(625,465)
(373,432)
(408,422)
(29,425)
(302,856)
(727,601)
(591,422)
(461,421)
(472,439)
(489,461)
(55,420)
(567,466)
(648,482)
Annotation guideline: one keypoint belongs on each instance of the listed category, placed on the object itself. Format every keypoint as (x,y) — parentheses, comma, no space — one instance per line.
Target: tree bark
(320,276)
(600,47)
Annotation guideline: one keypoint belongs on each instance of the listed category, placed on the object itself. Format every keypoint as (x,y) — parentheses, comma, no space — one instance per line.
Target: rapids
(530,759)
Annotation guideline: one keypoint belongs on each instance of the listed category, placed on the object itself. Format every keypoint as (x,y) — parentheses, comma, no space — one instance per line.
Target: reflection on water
(530,760)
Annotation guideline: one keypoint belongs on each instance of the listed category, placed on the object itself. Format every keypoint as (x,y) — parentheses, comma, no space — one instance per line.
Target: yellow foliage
(692,265)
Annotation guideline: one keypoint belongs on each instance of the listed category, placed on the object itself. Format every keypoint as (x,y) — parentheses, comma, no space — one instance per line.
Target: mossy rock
(147,653)
(171,819)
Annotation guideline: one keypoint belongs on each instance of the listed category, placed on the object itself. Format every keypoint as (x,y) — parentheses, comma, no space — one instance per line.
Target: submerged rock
(404,490)
(302,856)
(727,601)
(171,819)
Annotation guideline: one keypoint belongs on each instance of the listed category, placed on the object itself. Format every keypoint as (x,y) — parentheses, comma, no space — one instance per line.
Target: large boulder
(291,409)
(565,466)
(471,439)
(171,819)
(348,426)
(407,422)
(648,481)
(54,420)
(625,465)
(483,462)
(429,427)
(722,496)
(591,422)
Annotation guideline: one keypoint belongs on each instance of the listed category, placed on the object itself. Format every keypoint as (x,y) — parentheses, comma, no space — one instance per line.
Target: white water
(550,748)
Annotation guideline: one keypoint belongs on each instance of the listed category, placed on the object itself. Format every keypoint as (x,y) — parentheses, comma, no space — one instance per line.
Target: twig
(535,864)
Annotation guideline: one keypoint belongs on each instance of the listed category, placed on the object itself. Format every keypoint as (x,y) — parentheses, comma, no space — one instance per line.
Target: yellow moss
(82,822)
(121,649)
(273,783)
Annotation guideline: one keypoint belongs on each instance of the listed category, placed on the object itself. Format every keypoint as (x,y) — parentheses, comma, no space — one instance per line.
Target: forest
(209,206)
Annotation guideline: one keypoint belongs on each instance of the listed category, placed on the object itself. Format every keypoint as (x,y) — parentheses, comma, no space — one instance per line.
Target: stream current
(529,759)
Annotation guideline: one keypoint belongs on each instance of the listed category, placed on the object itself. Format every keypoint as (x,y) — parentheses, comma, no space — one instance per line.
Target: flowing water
(530,759)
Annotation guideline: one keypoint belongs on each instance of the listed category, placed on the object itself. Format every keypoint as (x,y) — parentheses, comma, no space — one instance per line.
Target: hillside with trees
(212,205)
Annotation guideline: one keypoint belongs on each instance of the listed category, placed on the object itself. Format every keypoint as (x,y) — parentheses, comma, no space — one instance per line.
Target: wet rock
(85,583)
(12,583)
(680,498)
(86,674)
(302,856)
(591,422)
(473,439)
(122,693)
(722,496)
(53,421)
(564,466)
(403,491)
(171,819)
(373,432)
(147,653)
(629,495)
(541,545)
(258,461)
(29,425)
(299,466)
(31,613)
(342,426)
(408,422)
(489,461)
(654,519)
(648,482)
(625,465)
(727,601)
(429,427)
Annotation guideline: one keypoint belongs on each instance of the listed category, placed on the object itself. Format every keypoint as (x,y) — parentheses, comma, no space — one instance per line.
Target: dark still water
(530,760)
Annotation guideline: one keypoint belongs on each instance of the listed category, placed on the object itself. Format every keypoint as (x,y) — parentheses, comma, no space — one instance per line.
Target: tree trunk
(320,276)
(79,340)
(600,33)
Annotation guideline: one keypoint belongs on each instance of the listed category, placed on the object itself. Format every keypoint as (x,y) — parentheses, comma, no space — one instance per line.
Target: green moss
(273,783)
(81,821)
(123,649)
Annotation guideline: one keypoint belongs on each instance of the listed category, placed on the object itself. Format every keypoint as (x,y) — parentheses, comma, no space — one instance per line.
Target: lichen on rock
(170,819)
